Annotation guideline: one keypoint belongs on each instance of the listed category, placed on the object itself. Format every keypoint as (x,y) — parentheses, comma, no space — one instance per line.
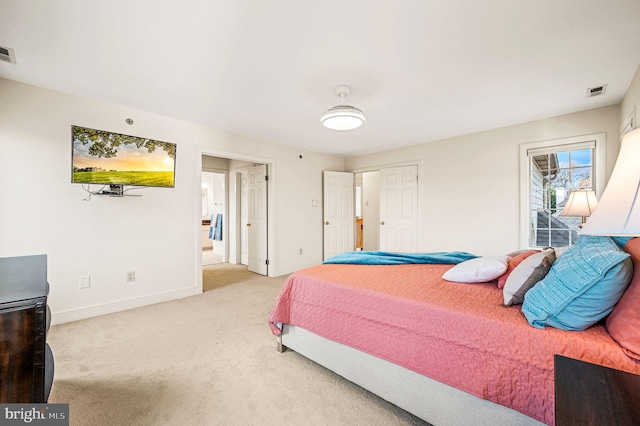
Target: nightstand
(26,361)
(590,394)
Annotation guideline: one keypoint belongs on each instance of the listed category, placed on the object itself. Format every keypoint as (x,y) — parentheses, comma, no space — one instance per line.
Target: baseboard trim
(121,305)
(292,269)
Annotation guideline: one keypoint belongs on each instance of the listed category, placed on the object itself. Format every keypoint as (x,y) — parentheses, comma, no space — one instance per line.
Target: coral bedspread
(458,334)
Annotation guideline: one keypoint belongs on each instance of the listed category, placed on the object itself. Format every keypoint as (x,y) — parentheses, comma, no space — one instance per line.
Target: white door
(338,207)
(244,217)
(257,219)
(399,209)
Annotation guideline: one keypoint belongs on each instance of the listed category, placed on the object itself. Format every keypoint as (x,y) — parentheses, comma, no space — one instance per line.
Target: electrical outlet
(300,251)
(85,281)
(131,276)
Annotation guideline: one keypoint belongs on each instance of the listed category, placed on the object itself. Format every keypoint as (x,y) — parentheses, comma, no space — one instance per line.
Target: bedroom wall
(156,235)
(631,101)
(469,185)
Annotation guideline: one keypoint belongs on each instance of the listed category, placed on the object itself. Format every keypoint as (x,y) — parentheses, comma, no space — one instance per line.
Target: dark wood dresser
(23,301)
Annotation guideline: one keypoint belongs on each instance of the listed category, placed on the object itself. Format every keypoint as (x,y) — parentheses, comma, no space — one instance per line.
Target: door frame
(421,198)
(197,194)
(242,240)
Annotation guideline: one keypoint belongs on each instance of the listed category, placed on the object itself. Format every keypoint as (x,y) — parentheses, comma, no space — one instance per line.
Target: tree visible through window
(554,173)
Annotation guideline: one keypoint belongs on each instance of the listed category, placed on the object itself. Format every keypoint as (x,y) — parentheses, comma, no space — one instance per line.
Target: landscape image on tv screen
(107,158)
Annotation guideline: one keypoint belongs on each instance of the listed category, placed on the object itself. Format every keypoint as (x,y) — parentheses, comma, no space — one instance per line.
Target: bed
(447,352)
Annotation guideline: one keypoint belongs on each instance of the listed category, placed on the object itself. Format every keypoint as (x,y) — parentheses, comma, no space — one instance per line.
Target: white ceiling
(421,70)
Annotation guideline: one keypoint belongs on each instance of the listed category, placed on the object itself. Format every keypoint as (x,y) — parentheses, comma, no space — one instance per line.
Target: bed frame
(428,399)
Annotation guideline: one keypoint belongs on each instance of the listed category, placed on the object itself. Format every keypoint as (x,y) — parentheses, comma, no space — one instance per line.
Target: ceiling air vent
(7,55)
(596,91)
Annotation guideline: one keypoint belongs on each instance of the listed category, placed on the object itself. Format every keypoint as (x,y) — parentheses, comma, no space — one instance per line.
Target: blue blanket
(388,258)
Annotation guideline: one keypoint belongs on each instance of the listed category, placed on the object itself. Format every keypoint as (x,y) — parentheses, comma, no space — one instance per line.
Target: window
(552,169)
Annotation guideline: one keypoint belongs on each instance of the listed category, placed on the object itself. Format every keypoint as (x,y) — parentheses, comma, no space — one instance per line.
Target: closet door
(339,216)
(399,209)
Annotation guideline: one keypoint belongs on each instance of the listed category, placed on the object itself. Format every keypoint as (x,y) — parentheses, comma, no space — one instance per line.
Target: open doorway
(368,210)
(214,201)
(234,218)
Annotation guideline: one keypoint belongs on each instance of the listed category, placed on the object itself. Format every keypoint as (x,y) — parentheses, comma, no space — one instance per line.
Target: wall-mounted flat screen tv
(106,158)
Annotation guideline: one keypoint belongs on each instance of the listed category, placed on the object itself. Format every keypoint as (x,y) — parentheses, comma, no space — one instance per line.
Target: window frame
(598,179)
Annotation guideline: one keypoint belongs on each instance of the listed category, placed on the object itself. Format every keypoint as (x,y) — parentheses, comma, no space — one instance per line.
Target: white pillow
(526,275)
(478,270)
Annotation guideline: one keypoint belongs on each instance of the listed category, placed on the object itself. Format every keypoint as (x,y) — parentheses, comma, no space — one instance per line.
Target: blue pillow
(582,286)
(621,241)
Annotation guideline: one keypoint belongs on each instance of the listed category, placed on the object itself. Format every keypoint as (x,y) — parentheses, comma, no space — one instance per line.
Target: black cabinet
(26,362)
(590,394)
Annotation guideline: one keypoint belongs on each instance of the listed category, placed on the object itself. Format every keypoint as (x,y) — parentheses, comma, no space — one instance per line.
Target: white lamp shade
(618,212)
(581,203)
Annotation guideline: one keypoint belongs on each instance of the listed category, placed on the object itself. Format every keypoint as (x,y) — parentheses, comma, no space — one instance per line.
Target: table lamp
(618,212)
(580,203)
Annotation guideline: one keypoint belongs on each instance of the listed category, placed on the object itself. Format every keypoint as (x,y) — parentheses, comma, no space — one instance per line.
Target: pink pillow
(623,323)
(513,262)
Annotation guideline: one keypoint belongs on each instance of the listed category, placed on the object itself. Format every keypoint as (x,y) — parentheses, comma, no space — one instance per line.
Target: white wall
(158,234)
(469,185)
(215,164)
(631,101)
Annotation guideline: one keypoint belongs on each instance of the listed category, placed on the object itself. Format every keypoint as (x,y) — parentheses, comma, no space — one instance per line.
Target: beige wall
(469,185)
(214,163)
(157,235)
(631,101)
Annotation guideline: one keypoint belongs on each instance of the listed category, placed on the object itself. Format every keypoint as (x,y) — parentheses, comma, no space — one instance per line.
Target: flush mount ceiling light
(342,117)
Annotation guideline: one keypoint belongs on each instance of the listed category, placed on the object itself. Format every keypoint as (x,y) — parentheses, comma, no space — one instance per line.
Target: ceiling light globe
(343,117)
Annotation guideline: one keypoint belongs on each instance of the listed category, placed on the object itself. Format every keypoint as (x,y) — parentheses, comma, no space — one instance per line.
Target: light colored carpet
(209,359)
(224,274)
(210,258)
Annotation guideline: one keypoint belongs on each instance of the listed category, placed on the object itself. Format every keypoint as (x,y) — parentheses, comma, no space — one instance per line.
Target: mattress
(458,334)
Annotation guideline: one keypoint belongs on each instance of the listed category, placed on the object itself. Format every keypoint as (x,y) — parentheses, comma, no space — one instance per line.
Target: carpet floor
(208,359)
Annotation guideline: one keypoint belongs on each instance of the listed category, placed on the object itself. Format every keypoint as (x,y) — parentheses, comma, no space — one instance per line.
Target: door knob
(248,224)
(382,223)
(326,223)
